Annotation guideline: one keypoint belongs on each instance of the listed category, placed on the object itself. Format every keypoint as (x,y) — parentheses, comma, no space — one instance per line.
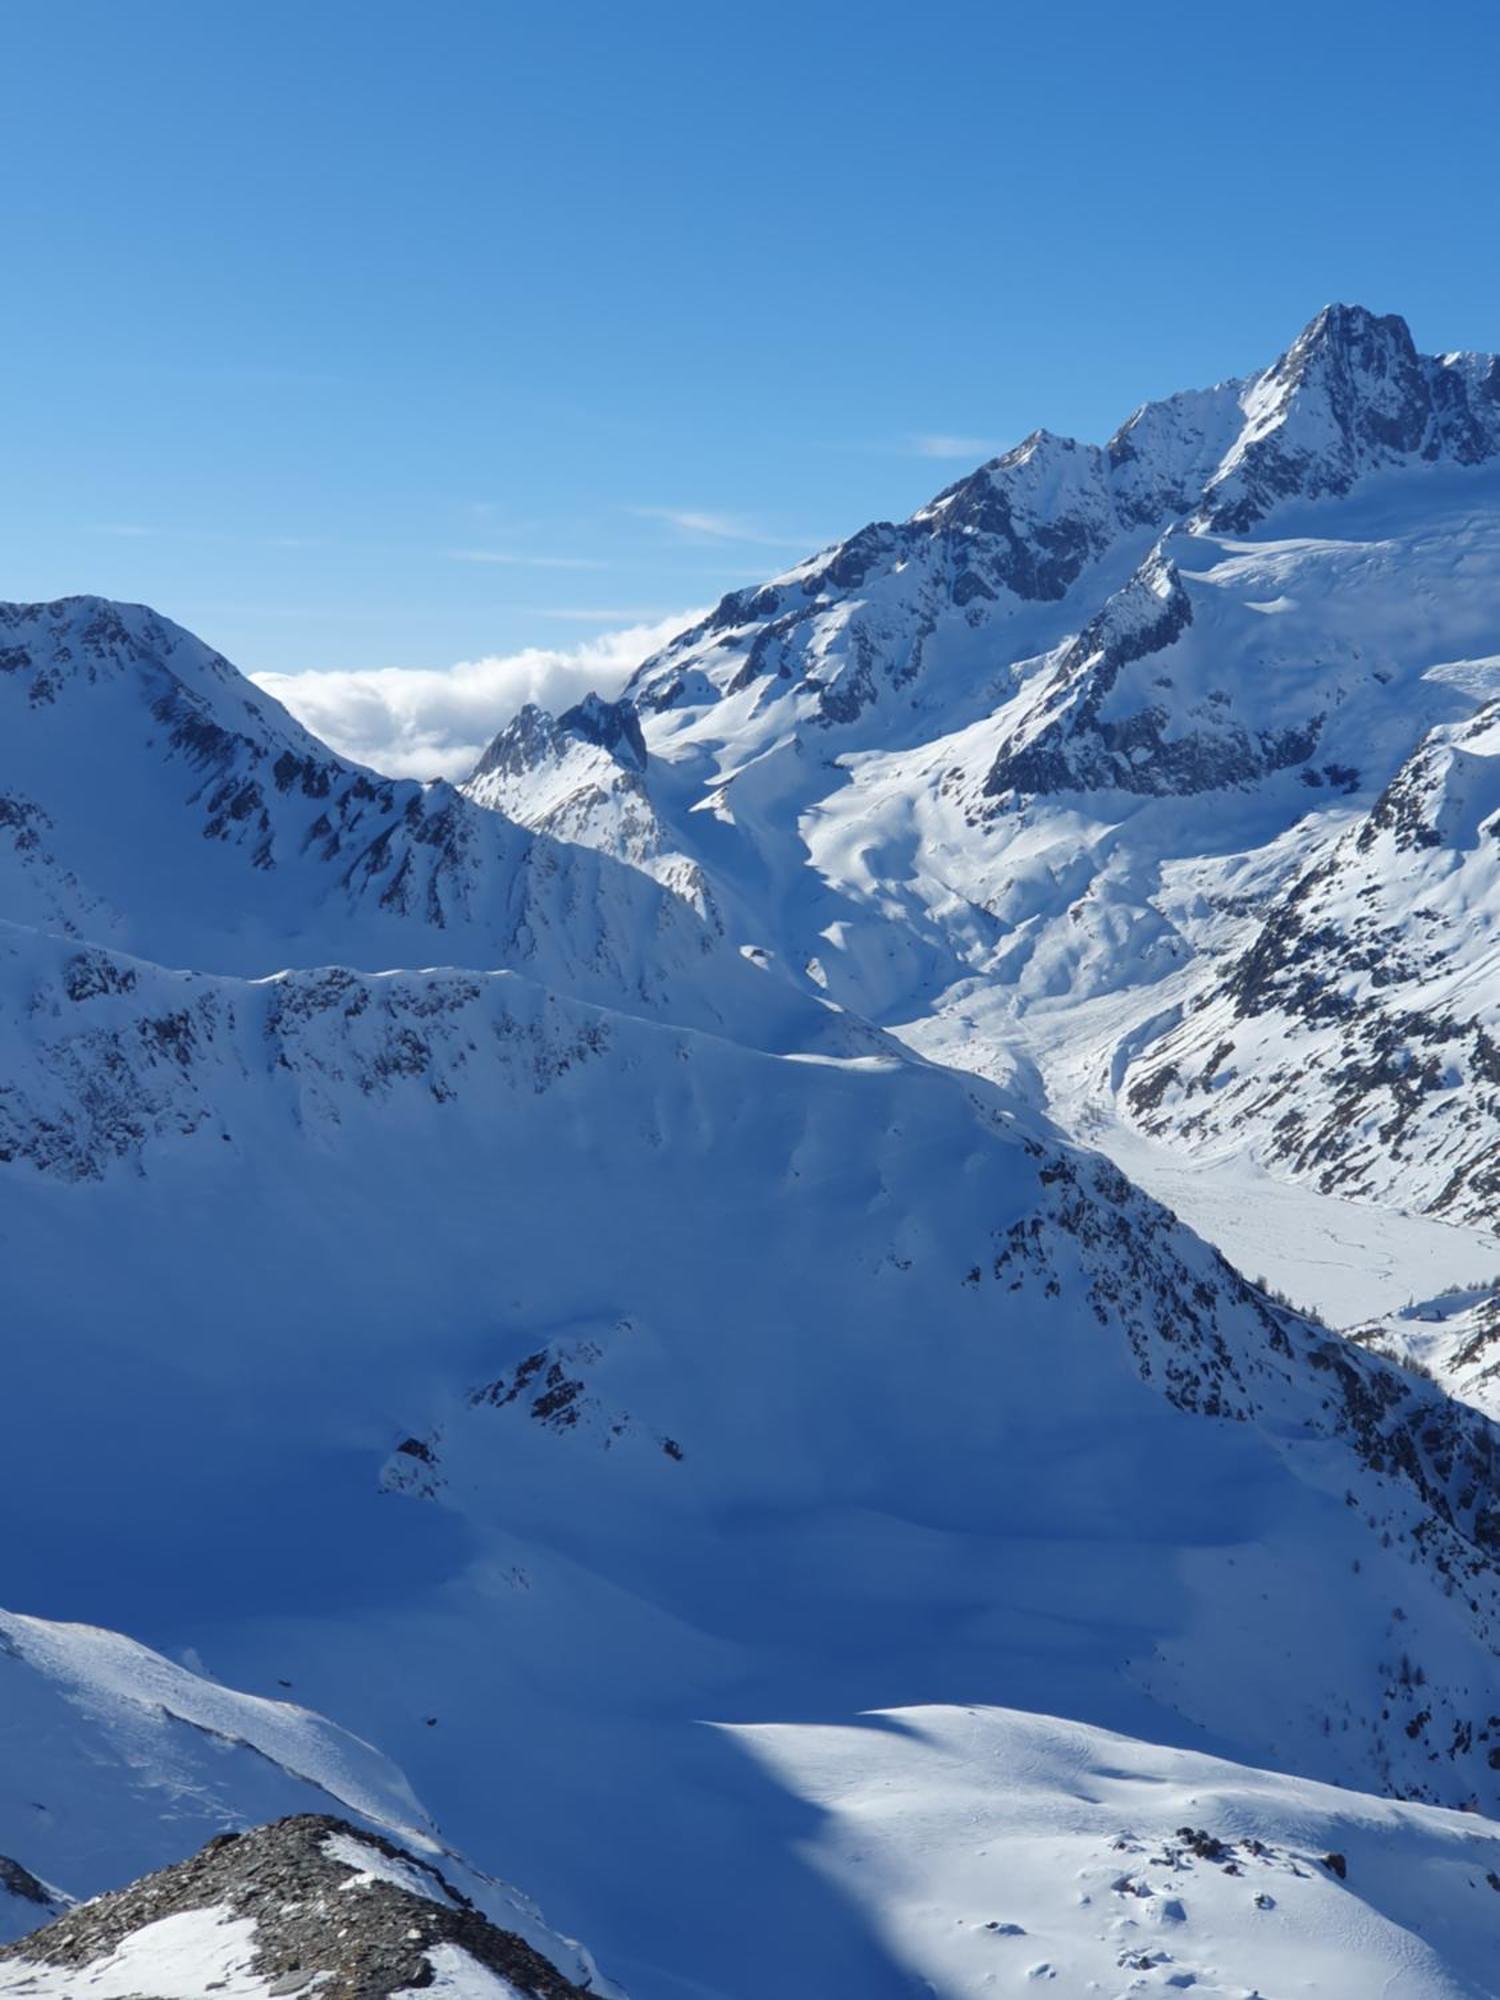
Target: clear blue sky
(308,305)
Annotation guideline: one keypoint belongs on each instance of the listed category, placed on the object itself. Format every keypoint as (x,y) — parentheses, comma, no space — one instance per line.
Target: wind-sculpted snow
(1019,1257)
(116,1760)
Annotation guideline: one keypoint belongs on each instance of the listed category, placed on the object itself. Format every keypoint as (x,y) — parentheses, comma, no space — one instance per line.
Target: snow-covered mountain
(1360,1028)
(588,1279)
(1058,771)
(152,797)
(1007,1852)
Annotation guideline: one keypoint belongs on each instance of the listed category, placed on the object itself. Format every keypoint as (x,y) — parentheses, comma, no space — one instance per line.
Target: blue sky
(389,335)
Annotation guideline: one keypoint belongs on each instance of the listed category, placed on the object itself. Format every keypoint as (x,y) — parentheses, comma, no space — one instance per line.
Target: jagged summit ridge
(581,776)
(1093,721)
(534,735)
(1351,396)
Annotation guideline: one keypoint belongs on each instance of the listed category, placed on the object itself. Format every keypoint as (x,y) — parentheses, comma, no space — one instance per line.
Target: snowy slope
(1024,776)
(582,1380)
(1453,1339)
(581,777)
(115,1758)
(153,798)
(1006,1853)
(114,1761)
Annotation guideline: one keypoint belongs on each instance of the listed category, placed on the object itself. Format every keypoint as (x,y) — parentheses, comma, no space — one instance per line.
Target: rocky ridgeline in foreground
(306,1905)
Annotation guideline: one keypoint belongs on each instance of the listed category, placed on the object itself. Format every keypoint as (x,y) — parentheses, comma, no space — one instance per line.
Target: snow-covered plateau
(715,1321)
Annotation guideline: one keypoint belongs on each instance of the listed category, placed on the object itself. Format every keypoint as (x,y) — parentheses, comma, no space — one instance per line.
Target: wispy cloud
(948,444)
(432,722)
(217,537)
(511,559)
(699,526)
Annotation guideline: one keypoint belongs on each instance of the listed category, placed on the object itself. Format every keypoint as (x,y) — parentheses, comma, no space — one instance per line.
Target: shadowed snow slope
(547,1382)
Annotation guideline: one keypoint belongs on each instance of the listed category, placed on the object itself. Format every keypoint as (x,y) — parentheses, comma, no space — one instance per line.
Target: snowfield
(1004,1853)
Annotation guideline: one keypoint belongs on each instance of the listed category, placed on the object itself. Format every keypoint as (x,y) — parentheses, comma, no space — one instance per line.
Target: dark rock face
(1369,399)
(1439,1450)
(613,725)
(1371,968)
(319,1927)
(23,1885)
(129,1075)
(1024,526)
(1069,744)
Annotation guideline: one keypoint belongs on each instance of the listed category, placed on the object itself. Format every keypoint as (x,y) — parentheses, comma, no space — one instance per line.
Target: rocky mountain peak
(1354,337)
(1365,372)
(308,1905)
(534,737)
(1350,396)
(528,739)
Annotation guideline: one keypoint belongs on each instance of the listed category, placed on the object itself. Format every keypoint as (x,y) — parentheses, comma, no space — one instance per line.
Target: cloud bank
(432,722)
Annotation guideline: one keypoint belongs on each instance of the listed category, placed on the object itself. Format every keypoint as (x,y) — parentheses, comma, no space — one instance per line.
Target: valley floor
(1344,1260)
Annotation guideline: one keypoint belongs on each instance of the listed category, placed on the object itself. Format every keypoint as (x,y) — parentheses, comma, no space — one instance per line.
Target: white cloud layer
(432,722)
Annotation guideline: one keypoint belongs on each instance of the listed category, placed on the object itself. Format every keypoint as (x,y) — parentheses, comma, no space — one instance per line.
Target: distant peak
(1355,334)
(528,739)
(534,736)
